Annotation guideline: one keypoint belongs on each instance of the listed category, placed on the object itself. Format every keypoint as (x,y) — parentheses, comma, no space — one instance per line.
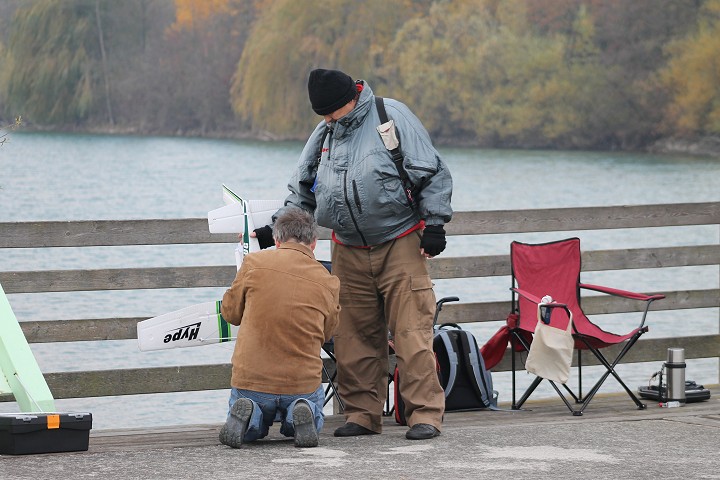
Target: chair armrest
(525,294)
(538,301)
(621,293)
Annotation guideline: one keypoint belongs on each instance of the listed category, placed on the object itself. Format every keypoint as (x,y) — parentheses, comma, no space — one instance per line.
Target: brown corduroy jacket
(287,306)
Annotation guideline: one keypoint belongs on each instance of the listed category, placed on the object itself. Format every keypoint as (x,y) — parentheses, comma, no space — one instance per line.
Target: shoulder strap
(397,155)
(451,349)
(380,105)
(477,372)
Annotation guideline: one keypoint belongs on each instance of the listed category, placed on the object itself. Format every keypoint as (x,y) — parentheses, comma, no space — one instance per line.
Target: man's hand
(264,236)
(433,241)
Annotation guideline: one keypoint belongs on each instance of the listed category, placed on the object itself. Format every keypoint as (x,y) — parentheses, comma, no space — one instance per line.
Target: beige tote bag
(551,351)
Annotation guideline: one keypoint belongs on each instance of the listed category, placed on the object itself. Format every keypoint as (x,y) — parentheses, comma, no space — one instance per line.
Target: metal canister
(675,375)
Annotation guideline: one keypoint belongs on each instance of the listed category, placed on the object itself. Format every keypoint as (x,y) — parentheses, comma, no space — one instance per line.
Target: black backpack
(461,370)
(467,383)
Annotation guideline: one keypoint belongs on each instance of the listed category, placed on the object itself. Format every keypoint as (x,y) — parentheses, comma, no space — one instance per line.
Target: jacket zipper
(357,198)
(352,217)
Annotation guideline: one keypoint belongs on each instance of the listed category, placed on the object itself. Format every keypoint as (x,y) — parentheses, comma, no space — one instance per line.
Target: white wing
(242,217)
(192,326)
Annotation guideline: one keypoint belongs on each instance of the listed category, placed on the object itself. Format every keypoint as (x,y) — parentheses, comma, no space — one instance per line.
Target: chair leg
(610,370)
(331,386)
(579,363)
(575,398)
(514,340)
(528,392)
(512,362)
(331,382)
(562,397)
(516,405)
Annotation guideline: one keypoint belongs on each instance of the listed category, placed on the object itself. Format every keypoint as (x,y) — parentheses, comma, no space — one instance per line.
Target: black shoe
(233,431)
(422,431)
(305,433)
(351,429)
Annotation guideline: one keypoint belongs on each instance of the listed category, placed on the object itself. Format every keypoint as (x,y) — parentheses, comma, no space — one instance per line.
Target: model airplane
(202,324)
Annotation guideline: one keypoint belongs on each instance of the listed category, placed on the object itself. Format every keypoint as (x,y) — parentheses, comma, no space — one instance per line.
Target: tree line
(568,74)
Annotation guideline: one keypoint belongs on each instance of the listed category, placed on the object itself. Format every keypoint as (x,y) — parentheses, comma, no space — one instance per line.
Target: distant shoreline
(706,146)
(702,147)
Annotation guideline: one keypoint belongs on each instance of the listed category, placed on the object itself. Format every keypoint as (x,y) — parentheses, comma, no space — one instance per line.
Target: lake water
(96,177)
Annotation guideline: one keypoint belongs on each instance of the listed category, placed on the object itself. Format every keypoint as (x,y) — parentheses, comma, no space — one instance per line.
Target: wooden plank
(113,233)
(679,300)
(101,383)
(597,260)
(626,259)
(584,218)
(108,233)
(468,267)
(80,330)
(137,381)
(441,268)
(117,279)
(195,230)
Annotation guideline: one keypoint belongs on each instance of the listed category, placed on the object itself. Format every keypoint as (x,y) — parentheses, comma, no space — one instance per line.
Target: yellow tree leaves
(693,77)
(478,68)
(191,12)
(291,37)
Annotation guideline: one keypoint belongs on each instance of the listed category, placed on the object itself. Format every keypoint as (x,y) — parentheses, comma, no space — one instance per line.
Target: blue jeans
(269,407)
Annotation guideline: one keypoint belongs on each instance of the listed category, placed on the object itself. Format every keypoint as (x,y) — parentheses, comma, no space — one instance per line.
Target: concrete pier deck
(612,439)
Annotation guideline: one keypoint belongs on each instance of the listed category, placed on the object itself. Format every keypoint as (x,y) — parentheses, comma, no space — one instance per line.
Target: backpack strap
(397,155)
(477,371)
(451,349)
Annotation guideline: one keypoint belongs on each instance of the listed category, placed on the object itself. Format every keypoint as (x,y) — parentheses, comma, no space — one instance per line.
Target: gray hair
(295,224)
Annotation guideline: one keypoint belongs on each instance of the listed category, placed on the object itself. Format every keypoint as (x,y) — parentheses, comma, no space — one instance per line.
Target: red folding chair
(554,269)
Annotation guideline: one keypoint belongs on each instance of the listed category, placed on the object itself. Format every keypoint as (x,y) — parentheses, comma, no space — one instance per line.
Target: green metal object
(21,375)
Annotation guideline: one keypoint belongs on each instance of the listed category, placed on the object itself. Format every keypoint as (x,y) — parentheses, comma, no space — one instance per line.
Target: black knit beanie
(330,90)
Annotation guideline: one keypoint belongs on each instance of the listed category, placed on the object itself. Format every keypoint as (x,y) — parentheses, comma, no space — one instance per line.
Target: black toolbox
(27,433)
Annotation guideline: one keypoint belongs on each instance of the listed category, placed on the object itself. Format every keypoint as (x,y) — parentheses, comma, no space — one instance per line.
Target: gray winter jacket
(358,192)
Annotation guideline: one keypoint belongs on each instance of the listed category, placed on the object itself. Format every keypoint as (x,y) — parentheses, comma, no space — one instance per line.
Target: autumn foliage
(497,73)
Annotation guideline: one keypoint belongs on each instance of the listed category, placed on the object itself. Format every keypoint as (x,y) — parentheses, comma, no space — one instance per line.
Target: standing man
(287,305)
(383,231)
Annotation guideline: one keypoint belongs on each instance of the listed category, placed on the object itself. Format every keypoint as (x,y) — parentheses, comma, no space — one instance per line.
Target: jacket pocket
(395,198)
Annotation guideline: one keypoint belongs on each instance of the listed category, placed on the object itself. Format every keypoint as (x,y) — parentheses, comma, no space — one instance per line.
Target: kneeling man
(287,306)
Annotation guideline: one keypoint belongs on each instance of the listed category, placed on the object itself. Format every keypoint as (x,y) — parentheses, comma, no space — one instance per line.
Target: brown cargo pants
(386,288)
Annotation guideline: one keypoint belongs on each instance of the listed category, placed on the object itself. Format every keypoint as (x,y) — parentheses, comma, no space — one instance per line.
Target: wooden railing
(195,231)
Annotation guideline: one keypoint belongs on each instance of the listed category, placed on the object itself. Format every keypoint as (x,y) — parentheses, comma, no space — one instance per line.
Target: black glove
(433,240)
(265,236)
